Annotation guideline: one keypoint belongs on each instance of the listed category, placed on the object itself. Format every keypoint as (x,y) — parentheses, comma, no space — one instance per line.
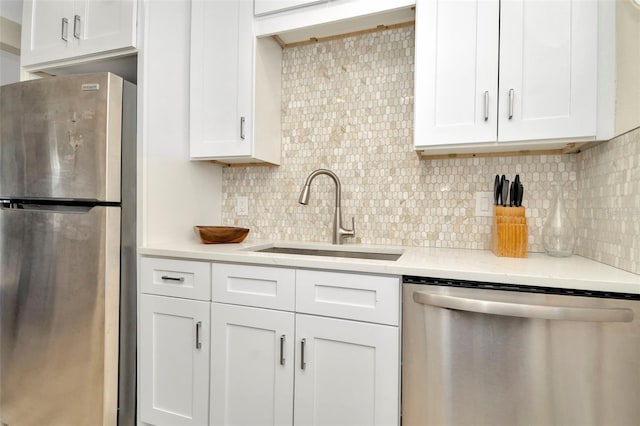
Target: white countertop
(574,272)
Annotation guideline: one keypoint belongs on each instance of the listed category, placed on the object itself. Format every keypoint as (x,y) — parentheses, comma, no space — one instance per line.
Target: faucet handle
(353,225)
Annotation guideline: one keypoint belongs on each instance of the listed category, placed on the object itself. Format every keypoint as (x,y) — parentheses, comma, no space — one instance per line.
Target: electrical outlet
(242,206)
(484,203)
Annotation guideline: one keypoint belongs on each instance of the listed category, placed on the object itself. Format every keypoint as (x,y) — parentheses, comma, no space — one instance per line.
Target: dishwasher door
(481,356)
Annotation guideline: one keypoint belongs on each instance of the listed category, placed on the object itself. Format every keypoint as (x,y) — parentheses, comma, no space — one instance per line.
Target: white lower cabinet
(275,346)
(346,372)
(251,366)
(174,361)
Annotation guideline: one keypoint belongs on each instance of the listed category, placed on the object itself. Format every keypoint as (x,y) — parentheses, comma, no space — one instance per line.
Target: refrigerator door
(60,137)
(59,289)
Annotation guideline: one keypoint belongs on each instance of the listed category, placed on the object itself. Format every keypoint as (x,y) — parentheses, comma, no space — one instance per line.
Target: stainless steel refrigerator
(67,251)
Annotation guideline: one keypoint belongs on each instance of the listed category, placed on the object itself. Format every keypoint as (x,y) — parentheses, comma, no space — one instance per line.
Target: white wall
(176,193)
(10,62)
(9,68)
(11,9)
(628,66)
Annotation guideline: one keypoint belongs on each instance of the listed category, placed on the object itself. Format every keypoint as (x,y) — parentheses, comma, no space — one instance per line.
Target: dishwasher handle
(563,313)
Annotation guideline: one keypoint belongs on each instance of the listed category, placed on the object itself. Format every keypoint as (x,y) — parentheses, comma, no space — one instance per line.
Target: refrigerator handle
(564,313)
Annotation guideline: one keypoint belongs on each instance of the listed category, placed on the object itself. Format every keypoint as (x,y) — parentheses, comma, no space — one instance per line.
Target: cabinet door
(263,7)
(221,78)
(548,62)
(456,71)
(174,361)
(45,26)
(347,372)
(251,366)
(104,25)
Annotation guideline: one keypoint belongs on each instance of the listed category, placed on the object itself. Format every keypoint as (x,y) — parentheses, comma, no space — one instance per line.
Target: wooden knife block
(510,233)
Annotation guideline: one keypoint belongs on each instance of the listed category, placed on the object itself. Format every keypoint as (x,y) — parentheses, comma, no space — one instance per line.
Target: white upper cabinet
(544,88)
(54,31)
(456,70)
(263,7)
(297,21)
(235,86)
(548,69)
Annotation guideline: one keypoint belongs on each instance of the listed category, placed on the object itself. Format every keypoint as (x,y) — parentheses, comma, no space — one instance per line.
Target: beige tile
(348,106)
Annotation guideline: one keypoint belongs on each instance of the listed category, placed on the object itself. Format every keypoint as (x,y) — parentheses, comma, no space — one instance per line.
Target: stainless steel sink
(343,252)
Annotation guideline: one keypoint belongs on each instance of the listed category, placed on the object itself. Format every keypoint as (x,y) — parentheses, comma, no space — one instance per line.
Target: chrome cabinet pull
(486,105)
(511,94)
(168,278)
(65,29)
(76,26)
(282,339)
(564,313)
(242,120)
(198,329)
(303,364)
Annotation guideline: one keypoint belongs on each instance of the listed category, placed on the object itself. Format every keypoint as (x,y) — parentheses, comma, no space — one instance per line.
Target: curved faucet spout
(304,194)
(338,231)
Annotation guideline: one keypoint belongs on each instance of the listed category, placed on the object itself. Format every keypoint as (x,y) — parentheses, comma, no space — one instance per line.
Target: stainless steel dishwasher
(497,354)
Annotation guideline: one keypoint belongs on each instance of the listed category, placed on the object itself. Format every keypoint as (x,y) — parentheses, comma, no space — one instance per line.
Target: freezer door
(60,137)
(59,287)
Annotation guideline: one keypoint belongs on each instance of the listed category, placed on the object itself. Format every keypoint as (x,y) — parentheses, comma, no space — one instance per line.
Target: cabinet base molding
(247,164)
(570,148)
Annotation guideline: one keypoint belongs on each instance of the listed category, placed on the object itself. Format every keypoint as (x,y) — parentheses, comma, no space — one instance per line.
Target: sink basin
(331,252)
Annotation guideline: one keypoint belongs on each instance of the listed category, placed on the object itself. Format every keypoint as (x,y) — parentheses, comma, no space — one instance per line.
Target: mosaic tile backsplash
(348,106)
(609,202)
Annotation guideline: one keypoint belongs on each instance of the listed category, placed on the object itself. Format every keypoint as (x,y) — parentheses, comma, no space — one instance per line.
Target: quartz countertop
(574,272)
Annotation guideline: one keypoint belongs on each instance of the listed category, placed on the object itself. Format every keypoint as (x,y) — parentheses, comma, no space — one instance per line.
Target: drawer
(177,278)
(250,285)
(371,298)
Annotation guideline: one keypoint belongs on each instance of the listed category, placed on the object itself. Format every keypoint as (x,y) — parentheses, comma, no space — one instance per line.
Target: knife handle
(505,192)
(520,194)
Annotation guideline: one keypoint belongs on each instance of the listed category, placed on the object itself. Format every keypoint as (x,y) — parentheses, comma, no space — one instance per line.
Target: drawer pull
(168,278)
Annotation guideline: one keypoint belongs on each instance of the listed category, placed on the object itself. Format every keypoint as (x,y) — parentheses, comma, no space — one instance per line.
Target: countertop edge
(475,265)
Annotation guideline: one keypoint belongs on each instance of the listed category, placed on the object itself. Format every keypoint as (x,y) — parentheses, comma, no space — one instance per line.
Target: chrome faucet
(338,231)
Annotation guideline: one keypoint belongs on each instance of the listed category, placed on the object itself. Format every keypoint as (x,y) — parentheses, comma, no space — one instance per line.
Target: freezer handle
(45,207)
(563,313)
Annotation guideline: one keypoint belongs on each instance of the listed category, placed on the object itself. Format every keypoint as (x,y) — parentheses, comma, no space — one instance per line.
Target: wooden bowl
(221,234)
